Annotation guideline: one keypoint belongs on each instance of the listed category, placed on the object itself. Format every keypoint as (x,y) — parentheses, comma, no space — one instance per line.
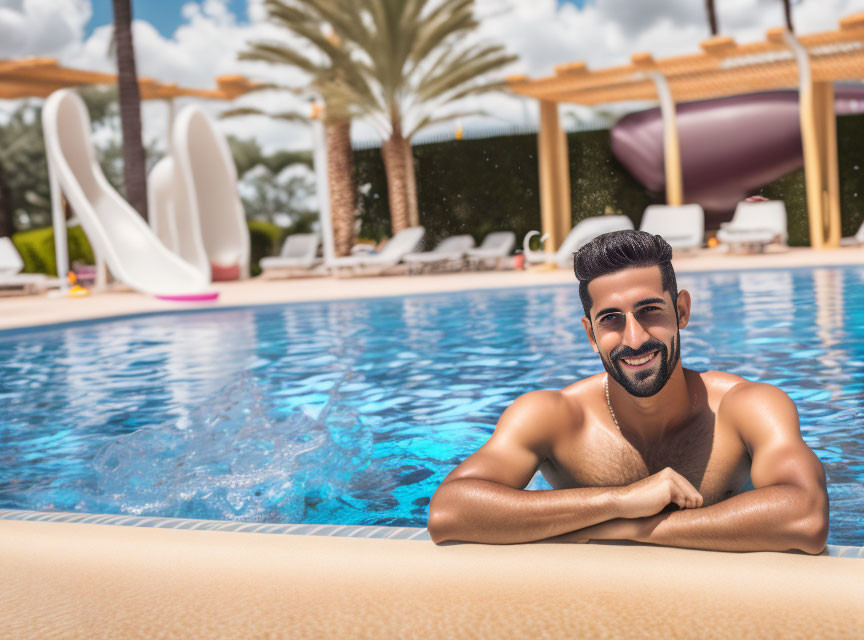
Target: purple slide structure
(730,147)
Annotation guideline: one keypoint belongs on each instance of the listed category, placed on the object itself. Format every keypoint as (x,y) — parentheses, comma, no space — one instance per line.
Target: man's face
(634,328)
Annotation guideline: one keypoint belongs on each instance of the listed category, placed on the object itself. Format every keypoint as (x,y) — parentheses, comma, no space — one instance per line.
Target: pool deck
(33,310)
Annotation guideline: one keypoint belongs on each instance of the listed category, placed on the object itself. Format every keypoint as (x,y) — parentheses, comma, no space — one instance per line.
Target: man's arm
(787,509)
(482,500)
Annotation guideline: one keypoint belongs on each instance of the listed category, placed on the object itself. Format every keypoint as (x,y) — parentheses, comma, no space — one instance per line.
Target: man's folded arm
(483,499)
(787,509)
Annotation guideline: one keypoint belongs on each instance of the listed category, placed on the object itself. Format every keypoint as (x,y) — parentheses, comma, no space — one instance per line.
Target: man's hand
(650,495)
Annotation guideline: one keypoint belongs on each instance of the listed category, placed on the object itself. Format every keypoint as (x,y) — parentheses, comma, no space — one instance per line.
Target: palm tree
(336,119)
(134,160)
(712,16)
(397,64)
(787,12)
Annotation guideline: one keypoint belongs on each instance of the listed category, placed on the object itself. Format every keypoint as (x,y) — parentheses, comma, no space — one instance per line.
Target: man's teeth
(639,361)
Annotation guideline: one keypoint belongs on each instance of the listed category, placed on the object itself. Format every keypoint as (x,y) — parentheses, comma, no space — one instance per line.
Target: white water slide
(195,208)
(117,233)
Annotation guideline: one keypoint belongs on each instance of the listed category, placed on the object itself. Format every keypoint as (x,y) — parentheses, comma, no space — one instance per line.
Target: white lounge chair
(204,166)
(496,246)
(580,235)
(11,278)
(449,251)
(854,241)
(396,248)
(682,226)
(299,253)
(755,224)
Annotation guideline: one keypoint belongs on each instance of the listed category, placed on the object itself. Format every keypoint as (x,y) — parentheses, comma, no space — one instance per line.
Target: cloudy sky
(192,42)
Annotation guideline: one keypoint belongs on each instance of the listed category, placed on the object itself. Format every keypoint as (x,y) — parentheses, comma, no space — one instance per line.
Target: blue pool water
(352,412)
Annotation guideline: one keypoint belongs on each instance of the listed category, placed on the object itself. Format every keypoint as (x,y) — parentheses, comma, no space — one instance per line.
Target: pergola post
(553,163)
(671,146)
(826,121)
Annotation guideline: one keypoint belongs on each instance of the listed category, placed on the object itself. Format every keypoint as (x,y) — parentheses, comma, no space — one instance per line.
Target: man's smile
(643,362)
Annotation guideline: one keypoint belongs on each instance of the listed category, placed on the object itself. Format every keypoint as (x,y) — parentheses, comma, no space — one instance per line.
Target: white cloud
(603,33)
(41,27)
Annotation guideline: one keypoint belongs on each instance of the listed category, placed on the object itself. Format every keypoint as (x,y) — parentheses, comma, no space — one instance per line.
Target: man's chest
(712,458)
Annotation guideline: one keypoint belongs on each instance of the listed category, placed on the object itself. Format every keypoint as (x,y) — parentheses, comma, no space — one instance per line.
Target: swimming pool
(352,412)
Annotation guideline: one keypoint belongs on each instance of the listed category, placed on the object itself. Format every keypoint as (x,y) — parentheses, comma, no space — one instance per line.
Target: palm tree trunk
(340,171)
(393,152)
(787,10)
(134,160)
(712,16)
(411,185)
(7,224)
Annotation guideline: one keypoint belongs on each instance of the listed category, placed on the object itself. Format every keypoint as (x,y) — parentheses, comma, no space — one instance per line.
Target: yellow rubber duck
(77,291)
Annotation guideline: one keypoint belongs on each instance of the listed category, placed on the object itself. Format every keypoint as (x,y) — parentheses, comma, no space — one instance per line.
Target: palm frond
(276,53)
(237,112)
(451,78)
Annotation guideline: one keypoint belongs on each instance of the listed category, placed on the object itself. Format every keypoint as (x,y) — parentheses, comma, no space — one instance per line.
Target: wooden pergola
(811,63)
(40,77)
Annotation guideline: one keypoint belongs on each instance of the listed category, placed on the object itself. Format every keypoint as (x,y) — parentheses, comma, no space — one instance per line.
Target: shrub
(37,246)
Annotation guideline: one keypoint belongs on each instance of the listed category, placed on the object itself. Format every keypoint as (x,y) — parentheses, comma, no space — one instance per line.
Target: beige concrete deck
(62,580)
(23,311)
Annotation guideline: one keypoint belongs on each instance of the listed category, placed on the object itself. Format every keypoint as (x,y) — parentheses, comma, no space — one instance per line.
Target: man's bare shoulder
(545,405)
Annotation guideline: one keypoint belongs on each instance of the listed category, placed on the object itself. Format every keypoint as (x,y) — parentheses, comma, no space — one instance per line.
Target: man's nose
(634,333)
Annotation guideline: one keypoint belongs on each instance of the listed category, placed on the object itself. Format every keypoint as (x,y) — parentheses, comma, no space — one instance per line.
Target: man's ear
(590,331)
(683,304)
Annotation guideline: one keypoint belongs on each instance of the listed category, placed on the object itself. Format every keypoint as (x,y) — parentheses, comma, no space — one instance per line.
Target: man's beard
(647,382)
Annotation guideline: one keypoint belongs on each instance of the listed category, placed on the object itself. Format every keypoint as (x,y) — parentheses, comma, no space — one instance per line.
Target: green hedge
(483,185)
(265,239)
(476,186)
(37,247)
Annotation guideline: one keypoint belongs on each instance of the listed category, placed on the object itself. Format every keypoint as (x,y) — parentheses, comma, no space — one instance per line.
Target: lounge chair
(11,277)
(580,235)
(299,253)
(682,226)
(396,248)
(496,246)
(854,241)
(755,224)
(449,251)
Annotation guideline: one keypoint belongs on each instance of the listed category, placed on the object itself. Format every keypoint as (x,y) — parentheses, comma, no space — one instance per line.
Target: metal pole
(809,141)
(671,146)
(322,188)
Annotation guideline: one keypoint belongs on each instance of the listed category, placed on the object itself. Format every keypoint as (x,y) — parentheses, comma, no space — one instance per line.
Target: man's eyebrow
(641,303)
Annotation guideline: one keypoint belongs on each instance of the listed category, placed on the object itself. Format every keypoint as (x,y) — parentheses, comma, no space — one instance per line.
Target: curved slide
(118,234)
(171,217)
(205,180)
(730,147)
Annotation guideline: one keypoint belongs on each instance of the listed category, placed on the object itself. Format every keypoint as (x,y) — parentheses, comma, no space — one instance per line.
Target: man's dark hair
(619,250)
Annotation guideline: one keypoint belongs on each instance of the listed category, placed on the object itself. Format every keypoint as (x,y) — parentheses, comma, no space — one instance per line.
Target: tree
(134,159)
(787,12)
(337,121)
(397,64)
(712,16)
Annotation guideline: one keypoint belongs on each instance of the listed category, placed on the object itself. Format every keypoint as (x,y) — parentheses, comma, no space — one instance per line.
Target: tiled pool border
(334,530)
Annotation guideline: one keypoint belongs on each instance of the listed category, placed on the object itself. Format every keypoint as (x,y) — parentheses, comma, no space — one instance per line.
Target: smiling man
(647,450)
